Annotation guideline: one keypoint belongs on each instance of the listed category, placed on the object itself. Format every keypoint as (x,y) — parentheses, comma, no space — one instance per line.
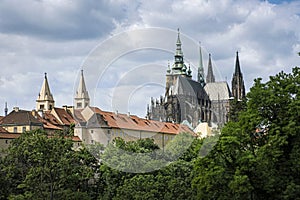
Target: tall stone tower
(238,87)
(210,78)
(45,99)
(82,98)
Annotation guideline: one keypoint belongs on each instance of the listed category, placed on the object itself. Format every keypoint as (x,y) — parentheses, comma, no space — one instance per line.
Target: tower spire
(178,45)
(200,68)
(237,64)
(82,98)
(238,87)
(210,78)
(45,99)
(179,67)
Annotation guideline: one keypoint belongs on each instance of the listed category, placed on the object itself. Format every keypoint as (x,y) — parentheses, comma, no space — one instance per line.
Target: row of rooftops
(61,118)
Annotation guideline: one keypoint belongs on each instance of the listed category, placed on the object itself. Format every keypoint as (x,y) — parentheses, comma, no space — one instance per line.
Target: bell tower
(45,99)
(82,98)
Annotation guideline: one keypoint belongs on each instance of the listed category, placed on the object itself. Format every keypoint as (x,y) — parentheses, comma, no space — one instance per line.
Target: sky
(124,46)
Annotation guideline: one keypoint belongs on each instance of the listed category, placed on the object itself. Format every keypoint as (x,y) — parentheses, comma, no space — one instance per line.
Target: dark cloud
(61,20)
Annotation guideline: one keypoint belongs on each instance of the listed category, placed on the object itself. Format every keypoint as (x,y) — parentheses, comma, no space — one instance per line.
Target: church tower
(210,78)
(178,68)
(45,99)
(82,98)
(238,87)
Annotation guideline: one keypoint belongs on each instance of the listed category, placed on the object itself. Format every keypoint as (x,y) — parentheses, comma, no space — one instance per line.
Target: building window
(92,141)
(42,106)
(6,141)
(24,129)
(92,131)
(15,129)
(79,105)
(50,107)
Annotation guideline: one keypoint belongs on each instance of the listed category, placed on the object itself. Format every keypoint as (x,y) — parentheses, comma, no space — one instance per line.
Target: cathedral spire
(82,98)
(210,78)
(238,87)
(200,68)
(45,99)
(179,67)
(237,64)
(178,45)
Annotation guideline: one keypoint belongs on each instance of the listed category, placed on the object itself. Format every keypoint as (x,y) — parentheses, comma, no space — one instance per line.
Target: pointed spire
(45,99)
(178,45)
(237,64)
(82,98)
(178,66)
(200,68)
(238,87)
(210,78)
(45,93)
(82,91)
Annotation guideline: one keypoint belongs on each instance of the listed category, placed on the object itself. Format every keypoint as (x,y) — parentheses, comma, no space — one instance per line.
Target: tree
(161,174)
(257,156)
(42,167)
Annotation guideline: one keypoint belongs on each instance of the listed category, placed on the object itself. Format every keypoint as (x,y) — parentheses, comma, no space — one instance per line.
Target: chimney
(33,112)
(41,113)
(16,109)
(5,109)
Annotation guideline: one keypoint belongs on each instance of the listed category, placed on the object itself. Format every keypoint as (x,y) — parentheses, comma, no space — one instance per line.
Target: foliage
(42,167)
(163,178)
(257,156)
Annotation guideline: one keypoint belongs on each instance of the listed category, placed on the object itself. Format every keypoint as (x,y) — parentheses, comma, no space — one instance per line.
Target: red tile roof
(132,122)
(2,130)
(9,135)
(21,117)
(65,117)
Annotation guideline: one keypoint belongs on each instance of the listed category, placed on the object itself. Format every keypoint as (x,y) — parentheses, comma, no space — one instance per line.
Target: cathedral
(194,101)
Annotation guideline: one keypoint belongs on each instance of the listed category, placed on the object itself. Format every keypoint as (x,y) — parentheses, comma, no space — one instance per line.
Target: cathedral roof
(218,91)
(185,86)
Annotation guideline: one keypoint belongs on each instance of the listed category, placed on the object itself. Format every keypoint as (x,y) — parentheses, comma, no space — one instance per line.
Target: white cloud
(56,37)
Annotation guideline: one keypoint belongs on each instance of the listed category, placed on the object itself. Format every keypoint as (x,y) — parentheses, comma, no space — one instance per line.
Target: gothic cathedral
(190,101)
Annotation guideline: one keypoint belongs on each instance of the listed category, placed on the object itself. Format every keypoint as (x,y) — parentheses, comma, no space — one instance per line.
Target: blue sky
(59,37)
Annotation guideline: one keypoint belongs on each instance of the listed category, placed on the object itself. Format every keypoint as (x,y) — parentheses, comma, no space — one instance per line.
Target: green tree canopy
(257,156)
(42,167)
